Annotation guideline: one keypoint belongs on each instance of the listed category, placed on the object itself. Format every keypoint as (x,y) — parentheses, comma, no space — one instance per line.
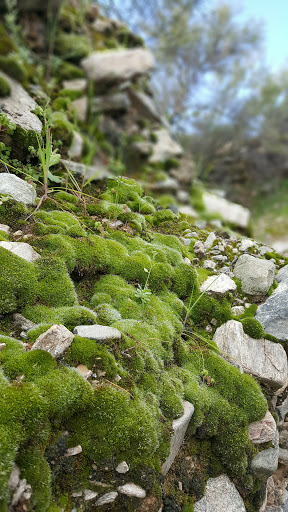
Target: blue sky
(274,14)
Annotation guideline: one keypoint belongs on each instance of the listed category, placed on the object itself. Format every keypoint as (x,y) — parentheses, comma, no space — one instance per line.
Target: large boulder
(220,495)
(19,189)
(273,314)
(262,358)
(118,65)
(256,275)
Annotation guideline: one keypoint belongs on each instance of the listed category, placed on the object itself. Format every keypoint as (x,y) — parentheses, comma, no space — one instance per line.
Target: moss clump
(184,280)
(92,354)
(208,307)
(31,364)
(58,222)
(6,44)
(162,216)
(170,397)
(18,283)
(35,468)
(5,88)
(68,316)
(62,129)
(55,287)
(122,190)
(91,254)
(13,66)
(11,212)
(60,247)
(253,328)
(72,46)
(68,71)
(106,314)
(35,332)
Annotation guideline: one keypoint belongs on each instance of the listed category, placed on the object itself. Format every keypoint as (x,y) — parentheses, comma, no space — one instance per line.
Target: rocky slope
(142,351)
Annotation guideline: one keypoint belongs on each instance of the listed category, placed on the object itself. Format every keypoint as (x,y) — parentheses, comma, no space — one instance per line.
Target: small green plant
(143,293)
(48,157)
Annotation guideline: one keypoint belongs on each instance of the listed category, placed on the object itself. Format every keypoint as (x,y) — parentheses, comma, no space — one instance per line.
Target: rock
(183,196)
(188,210)
(283,408)
(199,249)
(164,148)
(14,478)
(283,456)
(23,491)
(209,265)
(73,451)
(144,105)
(282,275)
(132,490)
(114,66)
(179,427)
(265,463)
(55,341)
(210,240)
(109,497)
(263,249)
(90,495)
(168,185)
(2,345)
(97,332)
(5,228)
(122,468)
(237,310)
(21,249)
(88,171)
(18,107)
(263,431)
(84,371)
(220,495)
(18,189)
(185,241)
(256,275)
(246,244)
(81,107)
(18,233)
(262,358)
(76,147)
(77,84)
(111,102)
(273,314)
(218,284)
(231,212)
(23,322)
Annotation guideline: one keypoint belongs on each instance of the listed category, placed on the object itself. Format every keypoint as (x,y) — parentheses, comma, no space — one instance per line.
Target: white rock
(262,358)
(55,341)
(189,211)
(220,495)
(263,431)
(77,84)
(118,65)
(122,468)
(256,275)
(179,427)
(76,147)
(144,104)
(218,284)
(14,478)
(209,265)
(109,497)
(210,240)
(231,212)
(90,495)
(237,310)
(81,108)
(70,452)
(132,490)
(18,189)
(84,371)
(5,228)
(246,244)
(164,148)
(21,249)
(97,332)
(283,456)
(111,103)
(2,345)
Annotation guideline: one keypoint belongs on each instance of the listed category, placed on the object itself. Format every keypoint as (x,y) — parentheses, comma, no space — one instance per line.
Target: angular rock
(18,107)
(55,341)
(265,463)
(283,456)
(18,189)
(262,358)
(220,495)
(165,147)
(5,228)
(219,284)
(22,250)
(179,427)
(118,65)
(90,495)
(199,249)
(256,275)
(246,244)
(84,371)
(237,310)
(97,332)
(209,265)
(14,478)
(73,451)
(263,431)
(122,468)
(282,275)
(168,185)
(88,171)
(231,212)
(144,105)
(23,322)
(132,490)
(111,102)
(210,240)
(273,314)
(109,497)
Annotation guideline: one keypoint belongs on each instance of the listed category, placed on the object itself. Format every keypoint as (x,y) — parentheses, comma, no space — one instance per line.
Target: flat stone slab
(18,107)
(22,250)
(231,212)
(220,495)
(97,332)
(179,427)
(55,341)
(18,189)
(262,358)
(263,431)
(118,65)
(256,275)
(218,284)
(273,314)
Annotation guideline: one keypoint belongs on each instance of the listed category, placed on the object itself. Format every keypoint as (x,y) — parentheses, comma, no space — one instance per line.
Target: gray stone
(77,84)
(218,285)
(122,468)
(179,427)
(18,189)
(185,241)
(189,211)
(199,249)
(209,265)
(90,495)
(220,495)
(256,275)
(111,102)
(263,249)
(81,108)
(168,185)
(23,322)
(262,358)
(273,314)
(144,105)
(109,497)
(264,430)
(75,450)
(18,107)
(97,332)
(283,408)
(14,478)
(246,244)
(183,196)
(21,249)
(5,228)
(283,456)
(265,463)
(238,310)
(76,147)
(282,275)
(55,341)
(164,148)
(118,65)
(132,490)
(96,173)
(210,240)
(231,212)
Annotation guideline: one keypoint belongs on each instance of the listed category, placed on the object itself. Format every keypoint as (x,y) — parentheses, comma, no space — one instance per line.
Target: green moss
(72,94)
(99,298)
(32,365)
(71,46)
(184,280)
(13,66)
(68,316)
(35,332)
(163,216)
(161,276)
(60,247)
(92,354)
(58,222)
(36,470)
(18,285)
(170,399)
(124,189)
(5,88)
(68,71)
(66,197)
(173,301)
(61,104)
(117,256)
(196,195)
(6,45)
(106,314)
(11,212)
(253,328)
(62,129)
(91,254)
(209,307)
(55,287)
(149,336)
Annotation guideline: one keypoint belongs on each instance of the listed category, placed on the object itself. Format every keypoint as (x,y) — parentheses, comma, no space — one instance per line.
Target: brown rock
(262,431)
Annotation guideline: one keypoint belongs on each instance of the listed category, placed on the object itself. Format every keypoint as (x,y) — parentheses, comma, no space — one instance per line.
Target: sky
(274,14)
